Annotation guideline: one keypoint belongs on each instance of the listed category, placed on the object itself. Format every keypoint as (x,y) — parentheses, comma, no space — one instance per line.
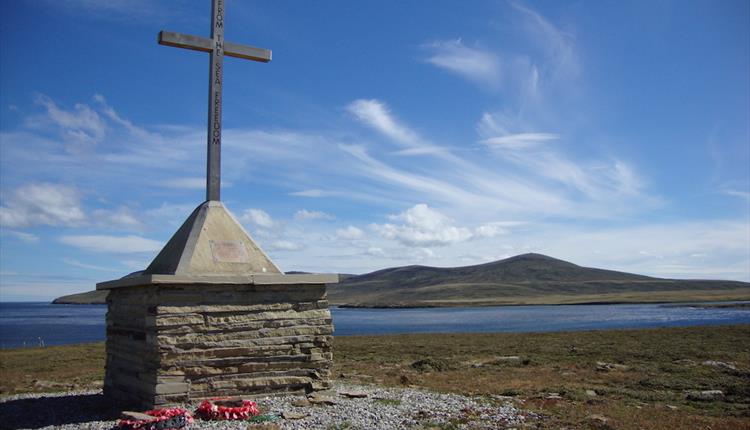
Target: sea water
(37,324)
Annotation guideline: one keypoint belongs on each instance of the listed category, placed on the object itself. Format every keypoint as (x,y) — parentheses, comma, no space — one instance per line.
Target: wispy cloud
(376,115)
(350,233)
(79,128)
(257,217)
(744,195)
(557,46)
(20,235)
(42,204)
(76,263)
(450,205)
(285,245)
(520,140)
(112,244)
(304,214)
(477,65)
(196,183)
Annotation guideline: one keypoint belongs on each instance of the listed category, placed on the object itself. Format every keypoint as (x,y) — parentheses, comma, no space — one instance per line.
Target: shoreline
(677,302)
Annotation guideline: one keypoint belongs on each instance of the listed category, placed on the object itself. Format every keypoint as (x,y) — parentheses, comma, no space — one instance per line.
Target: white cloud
(42,204)
(284,245)
(114,244)
(76,263)
(520,140)
(557,47)
(474,64)
(375,114)
(257,217)
(599,181)
(20,235)
(304,214)
(80,127)
(744,195)
(350,233)
(310,193)
(423,227)
(375,251)
(119,218)
(490,230)
(186,183)
(196,183)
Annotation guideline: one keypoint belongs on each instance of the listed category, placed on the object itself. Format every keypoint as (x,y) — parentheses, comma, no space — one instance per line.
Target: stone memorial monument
(212,315)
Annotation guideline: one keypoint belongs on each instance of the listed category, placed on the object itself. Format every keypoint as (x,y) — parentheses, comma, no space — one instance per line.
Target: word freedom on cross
(217,49)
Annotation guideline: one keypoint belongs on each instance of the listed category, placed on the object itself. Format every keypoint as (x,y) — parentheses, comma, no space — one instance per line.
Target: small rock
(606,367)
(705,395)
(508,358)
(264,426)
(353,394)
(503,398)
(591,393)
(719,364)
(599,421)
(553,396)
(301,403)
(320,399)
(130,415)
(49,384)
(672,407)
(291,415)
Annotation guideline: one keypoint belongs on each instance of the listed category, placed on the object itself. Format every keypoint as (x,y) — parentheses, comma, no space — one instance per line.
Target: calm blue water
(28,324)
(24,324)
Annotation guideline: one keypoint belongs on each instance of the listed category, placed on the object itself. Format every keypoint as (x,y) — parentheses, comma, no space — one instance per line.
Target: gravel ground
(383,408)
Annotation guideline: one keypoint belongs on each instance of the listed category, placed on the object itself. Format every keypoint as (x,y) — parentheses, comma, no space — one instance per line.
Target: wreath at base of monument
(157,419)
(221,408)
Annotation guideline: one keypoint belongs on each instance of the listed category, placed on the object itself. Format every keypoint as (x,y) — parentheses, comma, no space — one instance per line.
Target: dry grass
(661,365)
(55,368)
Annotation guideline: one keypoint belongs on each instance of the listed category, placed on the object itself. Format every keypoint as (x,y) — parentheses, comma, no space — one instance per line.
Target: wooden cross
(217,48)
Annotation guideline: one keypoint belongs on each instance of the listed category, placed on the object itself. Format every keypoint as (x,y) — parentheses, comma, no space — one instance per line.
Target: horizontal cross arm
(203,44)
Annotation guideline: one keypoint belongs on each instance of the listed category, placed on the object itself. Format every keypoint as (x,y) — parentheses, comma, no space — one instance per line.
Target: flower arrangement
(166,418)
(227,409)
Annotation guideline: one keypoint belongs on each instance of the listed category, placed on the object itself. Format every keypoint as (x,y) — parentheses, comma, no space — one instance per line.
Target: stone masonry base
(176,343)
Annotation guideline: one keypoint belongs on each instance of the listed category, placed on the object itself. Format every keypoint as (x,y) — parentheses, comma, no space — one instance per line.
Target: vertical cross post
(213,157)
(217,48)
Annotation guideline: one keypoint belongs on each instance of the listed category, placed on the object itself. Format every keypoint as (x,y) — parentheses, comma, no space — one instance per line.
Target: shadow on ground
(56,411)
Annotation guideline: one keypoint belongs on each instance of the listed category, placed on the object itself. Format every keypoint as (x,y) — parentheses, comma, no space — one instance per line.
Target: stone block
(172,388)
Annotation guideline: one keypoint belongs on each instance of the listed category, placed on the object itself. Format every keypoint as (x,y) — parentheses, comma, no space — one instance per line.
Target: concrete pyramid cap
(211,242)
(211,247)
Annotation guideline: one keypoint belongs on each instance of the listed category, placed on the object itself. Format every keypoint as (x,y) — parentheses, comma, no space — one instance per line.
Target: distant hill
(87,298)
(523,279)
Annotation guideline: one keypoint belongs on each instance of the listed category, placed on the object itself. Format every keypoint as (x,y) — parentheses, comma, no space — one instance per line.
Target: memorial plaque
(229,251)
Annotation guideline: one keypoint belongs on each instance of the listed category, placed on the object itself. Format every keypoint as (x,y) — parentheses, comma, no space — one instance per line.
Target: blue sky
(610,134)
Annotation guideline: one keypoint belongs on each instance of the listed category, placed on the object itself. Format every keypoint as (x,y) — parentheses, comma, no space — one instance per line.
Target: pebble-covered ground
(382,408)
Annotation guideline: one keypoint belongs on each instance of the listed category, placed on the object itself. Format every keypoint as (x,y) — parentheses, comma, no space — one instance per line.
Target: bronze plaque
(229,251)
